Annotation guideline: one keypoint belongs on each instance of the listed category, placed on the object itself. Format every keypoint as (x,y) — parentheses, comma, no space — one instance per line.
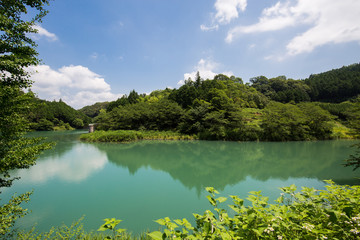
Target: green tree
(336,85)
(284,122)
(354,159)
(17,51)
(133,97)
(78,123)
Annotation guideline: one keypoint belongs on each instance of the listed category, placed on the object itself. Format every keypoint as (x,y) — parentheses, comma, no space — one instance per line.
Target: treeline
(46,116)
(224,108)
(334,86)
(277,109)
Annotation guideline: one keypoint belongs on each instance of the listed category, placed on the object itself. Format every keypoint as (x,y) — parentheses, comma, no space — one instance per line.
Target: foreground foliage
(333,213)
(76,230)
(17,53)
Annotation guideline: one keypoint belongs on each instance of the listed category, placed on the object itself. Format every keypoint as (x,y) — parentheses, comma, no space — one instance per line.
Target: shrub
(333,213)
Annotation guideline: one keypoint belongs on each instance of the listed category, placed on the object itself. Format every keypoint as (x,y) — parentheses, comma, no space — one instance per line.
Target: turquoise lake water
(143,181)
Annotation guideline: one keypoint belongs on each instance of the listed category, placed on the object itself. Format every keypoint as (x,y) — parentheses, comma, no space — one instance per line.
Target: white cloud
(76,85)
(227,10)
(211,28)
(69,169)
(42,32)
(329,21)
(206,70)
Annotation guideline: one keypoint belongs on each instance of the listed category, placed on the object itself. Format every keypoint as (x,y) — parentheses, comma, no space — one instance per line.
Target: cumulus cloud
(328,21)
(226,11)
(78,86)
(42,32)
(206,70)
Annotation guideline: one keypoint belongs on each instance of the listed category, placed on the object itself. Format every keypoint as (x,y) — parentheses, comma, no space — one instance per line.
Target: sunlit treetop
(17,49)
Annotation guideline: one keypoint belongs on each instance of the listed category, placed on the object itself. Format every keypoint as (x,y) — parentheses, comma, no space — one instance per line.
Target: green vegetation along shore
(131,135)
(224,108)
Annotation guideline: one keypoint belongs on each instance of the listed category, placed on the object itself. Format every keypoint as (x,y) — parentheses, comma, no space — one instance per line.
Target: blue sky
(95,50)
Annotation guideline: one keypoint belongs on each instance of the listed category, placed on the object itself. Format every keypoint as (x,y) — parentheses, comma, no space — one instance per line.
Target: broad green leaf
(103,228)
(172,225)
(157,235)
(235,208)
(221,199)
(256,193)
(161,221)
(211,190)
(178,221)
(187,224)
(292,188)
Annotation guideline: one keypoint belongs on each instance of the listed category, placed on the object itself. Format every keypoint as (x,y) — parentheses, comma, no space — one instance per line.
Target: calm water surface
(143,181)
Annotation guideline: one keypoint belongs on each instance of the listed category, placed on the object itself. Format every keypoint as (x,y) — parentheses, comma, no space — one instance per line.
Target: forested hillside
(45,115)
(336,85)
(94,110)
(276,109)
(323,106)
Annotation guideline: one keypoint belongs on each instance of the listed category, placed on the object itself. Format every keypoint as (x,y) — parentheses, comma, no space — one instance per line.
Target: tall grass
(131,135)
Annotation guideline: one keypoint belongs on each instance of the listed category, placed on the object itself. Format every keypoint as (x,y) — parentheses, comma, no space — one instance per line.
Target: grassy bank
(131,135)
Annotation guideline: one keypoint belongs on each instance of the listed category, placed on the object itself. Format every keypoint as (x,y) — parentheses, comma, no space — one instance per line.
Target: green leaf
(172,225)
(187,224)
(211,190)
(211,200)
(225,236)
(161,221)
(221,199)
(235,208)
(157,235)
(258,232)
(103,228)
(292,188)
(207,228)
(178,221)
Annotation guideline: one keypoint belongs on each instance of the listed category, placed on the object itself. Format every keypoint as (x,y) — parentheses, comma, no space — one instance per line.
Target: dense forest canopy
(323,106)
(224,108)
(336,85)
(46,115)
